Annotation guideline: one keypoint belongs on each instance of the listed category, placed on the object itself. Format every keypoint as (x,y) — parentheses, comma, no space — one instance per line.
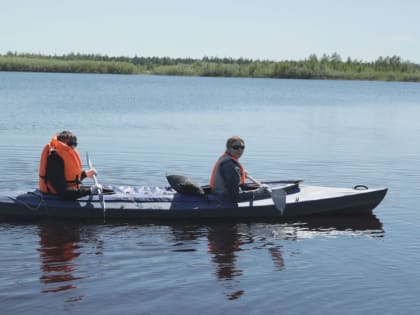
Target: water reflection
(186,235)
(277,258)
(223,243)
(228,246)
(59,248)
(226,241)
(329,226)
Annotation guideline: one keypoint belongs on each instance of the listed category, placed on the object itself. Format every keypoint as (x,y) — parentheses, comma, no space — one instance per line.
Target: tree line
(325,67)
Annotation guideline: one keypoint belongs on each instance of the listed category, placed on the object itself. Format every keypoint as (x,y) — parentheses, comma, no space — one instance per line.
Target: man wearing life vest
(60,169)
(228,175)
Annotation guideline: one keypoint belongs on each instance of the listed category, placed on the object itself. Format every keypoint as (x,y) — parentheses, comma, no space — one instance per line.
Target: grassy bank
(325,67)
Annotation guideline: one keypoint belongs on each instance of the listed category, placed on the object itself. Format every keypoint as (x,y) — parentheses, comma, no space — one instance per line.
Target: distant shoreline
(330,67)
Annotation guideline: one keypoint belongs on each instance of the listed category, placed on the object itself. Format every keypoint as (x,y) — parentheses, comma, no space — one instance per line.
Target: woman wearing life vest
(228,175)
(60,170)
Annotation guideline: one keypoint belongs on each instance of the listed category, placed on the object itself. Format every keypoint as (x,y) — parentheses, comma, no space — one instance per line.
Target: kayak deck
(139,202)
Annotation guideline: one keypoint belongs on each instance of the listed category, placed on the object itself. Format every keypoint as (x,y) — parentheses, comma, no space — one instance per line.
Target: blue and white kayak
(165,203)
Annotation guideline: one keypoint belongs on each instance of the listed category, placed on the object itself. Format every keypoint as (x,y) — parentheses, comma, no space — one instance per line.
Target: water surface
(138,128)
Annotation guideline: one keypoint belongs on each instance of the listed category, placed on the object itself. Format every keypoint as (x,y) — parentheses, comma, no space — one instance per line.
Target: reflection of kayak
(309,226)
(138,202)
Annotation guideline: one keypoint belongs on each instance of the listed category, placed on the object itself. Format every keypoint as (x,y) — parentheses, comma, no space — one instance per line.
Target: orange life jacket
(216,180)
(72,165)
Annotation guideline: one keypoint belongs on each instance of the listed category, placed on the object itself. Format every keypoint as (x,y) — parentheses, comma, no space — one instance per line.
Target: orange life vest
(72,165)
(216,180)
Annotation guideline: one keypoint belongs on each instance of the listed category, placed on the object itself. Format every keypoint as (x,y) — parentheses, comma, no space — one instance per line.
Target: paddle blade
(279,199)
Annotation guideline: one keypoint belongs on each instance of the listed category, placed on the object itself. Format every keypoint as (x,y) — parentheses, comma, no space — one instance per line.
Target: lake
(139,128)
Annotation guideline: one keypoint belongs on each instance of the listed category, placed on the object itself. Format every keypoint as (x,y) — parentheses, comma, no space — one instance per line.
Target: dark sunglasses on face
(72,144)
(237,147)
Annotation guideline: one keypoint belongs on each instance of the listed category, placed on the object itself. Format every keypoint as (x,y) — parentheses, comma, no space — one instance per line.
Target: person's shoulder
(226,161)
(229,166)
(53,156)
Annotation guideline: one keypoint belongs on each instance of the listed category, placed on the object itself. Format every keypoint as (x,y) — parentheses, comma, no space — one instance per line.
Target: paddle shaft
(90,166)
(278,196)
(101,195)
(256,181)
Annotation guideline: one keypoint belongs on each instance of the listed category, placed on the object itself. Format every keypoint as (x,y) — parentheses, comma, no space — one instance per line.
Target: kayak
(171,203)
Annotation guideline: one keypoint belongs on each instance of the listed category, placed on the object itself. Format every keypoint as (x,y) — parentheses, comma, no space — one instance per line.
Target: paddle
(278,195)
(100,190)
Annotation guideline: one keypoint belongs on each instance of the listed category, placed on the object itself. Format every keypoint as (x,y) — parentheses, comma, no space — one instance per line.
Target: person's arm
(73,194)
(231,180)
(55,173)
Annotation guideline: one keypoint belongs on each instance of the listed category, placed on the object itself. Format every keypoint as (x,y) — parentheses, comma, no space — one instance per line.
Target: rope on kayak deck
(28,206)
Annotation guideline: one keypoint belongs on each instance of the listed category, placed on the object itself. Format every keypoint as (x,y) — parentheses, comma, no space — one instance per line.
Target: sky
(253,29)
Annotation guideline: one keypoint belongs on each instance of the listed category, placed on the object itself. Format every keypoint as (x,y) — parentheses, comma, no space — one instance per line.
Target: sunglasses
(72,144)
(237,147)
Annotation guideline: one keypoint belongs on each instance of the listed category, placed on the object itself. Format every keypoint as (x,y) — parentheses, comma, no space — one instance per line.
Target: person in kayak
(60,170)
(228,175)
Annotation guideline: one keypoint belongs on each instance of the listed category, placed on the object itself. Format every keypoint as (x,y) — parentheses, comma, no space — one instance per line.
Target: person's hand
(96,189)
(262,188)
(91,172)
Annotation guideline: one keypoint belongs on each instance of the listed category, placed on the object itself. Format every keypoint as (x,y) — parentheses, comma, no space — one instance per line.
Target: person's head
(68,138)
(235,146)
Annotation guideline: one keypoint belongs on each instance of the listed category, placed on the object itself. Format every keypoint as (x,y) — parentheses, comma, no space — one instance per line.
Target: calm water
(138,128)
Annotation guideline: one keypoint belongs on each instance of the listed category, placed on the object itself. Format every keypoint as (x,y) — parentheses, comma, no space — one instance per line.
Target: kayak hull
(155,203)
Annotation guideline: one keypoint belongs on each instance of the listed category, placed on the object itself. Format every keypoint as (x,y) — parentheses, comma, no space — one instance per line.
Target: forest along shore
(330,67)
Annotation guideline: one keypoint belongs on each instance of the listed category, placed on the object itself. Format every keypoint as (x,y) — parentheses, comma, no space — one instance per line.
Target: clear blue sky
(256,29)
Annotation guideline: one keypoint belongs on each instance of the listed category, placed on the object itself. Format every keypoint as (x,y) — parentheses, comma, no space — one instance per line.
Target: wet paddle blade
(279,199)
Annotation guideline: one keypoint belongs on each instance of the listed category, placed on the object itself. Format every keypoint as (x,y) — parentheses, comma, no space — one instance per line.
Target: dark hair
(67,137)
(232,140)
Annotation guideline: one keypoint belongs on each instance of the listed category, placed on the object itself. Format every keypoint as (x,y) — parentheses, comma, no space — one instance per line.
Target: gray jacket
(227,180)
